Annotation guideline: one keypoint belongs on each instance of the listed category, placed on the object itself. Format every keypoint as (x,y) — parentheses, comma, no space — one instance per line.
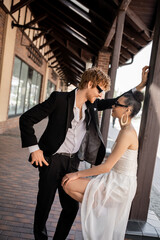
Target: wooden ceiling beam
(54,62)
(41,34)
(76,62)
(131,48)
(19,5)
(57,60)
(36,20)
(123,7)
(139,24)
(123,59)
(57,54)
(99,10)
(92,16)
(126,53)
(71,68)
(68,48)
(134,36)
(76,65)
(47,43)
(49,51)
(71,65)
(73,34)
(71,51)
(68,36)
(111,33)
(64,10)
(66,21)
(55,66)
(77,68)
(51,57)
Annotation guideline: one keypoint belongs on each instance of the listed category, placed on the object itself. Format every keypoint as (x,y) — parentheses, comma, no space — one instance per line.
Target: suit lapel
(93,113)
(94,116)
(70,115)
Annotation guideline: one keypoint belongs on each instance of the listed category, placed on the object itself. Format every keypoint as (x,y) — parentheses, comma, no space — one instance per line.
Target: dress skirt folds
(107,200)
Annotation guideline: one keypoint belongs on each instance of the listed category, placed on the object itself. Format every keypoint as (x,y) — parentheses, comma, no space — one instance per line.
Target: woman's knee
(65,188)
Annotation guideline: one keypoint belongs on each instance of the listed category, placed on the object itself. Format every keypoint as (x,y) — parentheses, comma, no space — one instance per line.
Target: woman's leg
(76,188)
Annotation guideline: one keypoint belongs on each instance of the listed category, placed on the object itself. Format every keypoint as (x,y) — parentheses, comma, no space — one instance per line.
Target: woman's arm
(108,103)
(145,71)
(123,142)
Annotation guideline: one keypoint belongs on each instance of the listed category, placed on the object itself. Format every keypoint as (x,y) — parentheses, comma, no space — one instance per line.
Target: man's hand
(145,71)
(38,158)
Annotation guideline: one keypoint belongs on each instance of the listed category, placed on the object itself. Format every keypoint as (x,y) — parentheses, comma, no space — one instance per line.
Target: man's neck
(80,98)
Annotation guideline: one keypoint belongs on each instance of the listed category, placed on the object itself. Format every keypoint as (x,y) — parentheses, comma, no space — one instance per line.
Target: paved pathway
(18,190)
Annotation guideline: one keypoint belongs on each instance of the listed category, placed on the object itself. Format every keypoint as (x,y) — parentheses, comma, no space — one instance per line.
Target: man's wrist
(33,148)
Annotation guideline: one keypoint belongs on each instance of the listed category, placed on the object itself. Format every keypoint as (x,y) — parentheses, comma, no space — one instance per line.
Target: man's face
(94,92)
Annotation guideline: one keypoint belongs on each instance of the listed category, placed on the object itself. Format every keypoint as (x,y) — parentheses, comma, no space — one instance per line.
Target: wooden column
(149,133)
(114,66)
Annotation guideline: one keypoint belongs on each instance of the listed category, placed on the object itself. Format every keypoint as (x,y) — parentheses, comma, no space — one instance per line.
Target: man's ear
(90,84)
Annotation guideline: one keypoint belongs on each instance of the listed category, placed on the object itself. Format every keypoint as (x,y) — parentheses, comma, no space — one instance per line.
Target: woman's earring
(124,123)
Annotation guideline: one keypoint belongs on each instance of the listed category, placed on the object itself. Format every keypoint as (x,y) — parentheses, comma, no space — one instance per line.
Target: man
(72,134)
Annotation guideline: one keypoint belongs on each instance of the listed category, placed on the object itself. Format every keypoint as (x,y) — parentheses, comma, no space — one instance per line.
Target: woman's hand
(69,177)
(145,71)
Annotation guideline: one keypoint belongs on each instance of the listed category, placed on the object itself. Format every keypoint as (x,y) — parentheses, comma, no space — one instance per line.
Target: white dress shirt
(74,134)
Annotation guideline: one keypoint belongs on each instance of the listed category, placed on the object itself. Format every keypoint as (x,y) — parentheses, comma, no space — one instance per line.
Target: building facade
(26,77)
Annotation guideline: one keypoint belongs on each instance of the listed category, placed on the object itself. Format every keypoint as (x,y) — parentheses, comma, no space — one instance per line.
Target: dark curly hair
(134,99)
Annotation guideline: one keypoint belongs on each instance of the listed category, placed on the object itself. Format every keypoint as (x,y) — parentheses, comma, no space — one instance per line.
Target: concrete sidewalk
(18,191)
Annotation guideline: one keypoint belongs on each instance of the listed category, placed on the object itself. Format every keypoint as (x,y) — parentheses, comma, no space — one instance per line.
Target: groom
(72,134)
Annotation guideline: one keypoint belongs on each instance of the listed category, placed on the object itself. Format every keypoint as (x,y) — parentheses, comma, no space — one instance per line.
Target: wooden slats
(19,5)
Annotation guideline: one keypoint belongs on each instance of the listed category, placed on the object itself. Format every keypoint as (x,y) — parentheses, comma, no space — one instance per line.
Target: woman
(106,199)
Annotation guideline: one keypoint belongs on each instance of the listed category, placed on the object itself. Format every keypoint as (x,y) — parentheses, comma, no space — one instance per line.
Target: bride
(106,199)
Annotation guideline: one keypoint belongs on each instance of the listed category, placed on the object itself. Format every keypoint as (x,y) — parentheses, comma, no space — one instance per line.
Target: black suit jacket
(59,108)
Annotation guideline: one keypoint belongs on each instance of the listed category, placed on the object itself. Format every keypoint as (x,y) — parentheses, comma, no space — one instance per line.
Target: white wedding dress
(107,200)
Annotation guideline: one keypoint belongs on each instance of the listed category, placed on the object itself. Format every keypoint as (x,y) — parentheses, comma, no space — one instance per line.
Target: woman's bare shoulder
(129,133)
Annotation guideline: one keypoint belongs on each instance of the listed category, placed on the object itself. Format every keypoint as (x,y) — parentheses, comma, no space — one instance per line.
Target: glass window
(25,88)
(14,87)
(28,89)
(33,89)
(50,88)
(22,88)
(38,87)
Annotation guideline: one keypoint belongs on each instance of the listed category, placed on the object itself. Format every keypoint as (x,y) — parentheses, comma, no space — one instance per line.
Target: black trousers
(49,182)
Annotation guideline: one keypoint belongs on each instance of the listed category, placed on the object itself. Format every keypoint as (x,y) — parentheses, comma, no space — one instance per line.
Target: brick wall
(22,52)
(103,64)
(103,61)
